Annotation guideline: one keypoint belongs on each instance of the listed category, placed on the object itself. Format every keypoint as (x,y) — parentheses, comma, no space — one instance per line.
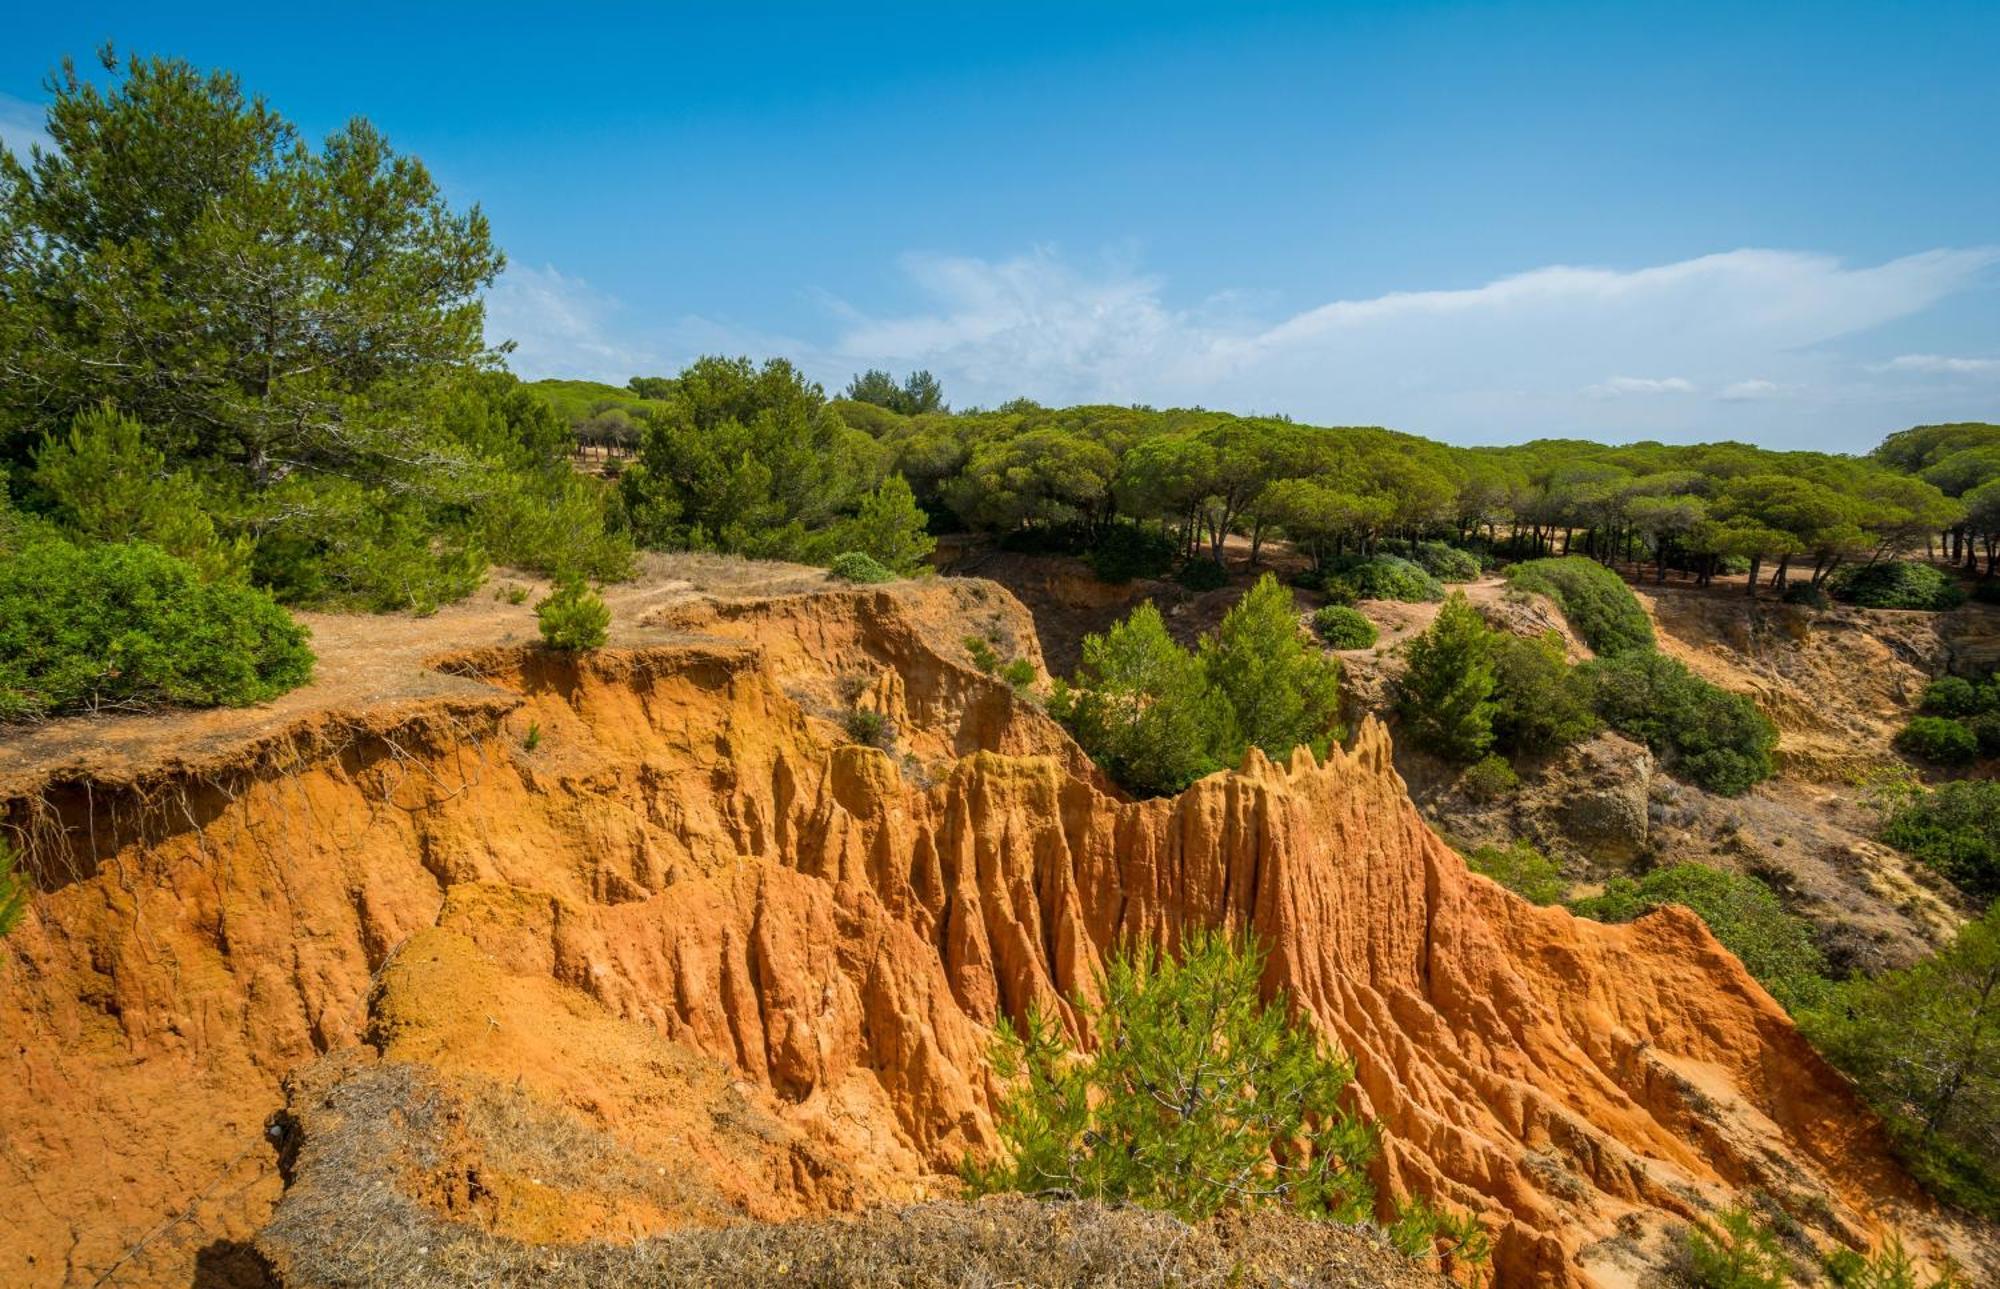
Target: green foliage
(1923,1045)
(533,738)
(1897,584)
(1019,675)
(1889,1267)
(1595,602)
(1447,563)
(1282,691)
(1344,628)
(1425,1233)
(1806,593)
(869,728)
(1955,696)
(983,655)
(572,616)
(15,889)
(84,628)
(1195,1096)
(1445,694)
(1713,738)
(1736,1252)
(1489,778)
(1521,869)
(856,566)
(1743,913)
(888,527)
(1123,551)
(1202,575)
(1955,829)
(1938,740)
(1387,577)
(1143,709)
(1541,703)
(919,392)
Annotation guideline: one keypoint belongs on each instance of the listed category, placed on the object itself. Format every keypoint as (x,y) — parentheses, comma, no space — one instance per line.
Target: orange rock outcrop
(692,892)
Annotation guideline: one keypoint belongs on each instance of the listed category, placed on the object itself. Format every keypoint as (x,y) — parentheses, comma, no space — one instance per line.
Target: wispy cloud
(1941,365)
(21,126)
(1621,386)
(1750,391)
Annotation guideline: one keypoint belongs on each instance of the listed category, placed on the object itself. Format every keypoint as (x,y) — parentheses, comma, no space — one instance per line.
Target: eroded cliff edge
(688,916)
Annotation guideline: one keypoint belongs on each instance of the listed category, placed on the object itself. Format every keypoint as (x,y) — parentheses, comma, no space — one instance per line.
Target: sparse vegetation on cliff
(573,617)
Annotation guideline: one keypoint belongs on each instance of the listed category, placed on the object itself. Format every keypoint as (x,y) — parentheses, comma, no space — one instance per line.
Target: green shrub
(1019,675)
(1595,602)
(1388,577)
(855,566)
(1922,1046)
(1344,628)
(1985,729)
(1743,913)
(1445,694)
(1282,691)
(1938,740)
(129,626)
(1541,703)
(572,616)
(1954,696)
(1489,778)
(1737,1252)
(1713,738)
(1339,591)
(1195,1096)
(1955,829)
(1141,706)
(869,728)
(1124,551)
(983,654)
(1521,869)
(1202,575)
(1447,563)
(1889,1267)
(1896,584)
(1806,593)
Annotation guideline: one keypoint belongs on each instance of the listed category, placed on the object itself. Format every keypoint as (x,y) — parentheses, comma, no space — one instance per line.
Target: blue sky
(1482,222)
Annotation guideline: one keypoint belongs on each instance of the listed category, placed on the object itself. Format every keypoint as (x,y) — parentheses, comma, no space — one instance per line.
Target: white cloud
(21,126)
(1746,391)
(563,327)
(1519,355)
(1940,365)
(1620,386)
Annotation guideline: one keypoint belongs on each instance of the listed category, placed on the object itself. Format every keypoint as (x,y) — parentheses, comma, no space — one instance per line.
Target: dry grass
(347,1220)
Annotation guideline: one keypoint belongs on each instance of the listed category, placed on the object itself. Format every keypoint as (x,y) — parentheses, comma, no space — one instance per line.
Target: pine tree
(1283,690)
(1445,695)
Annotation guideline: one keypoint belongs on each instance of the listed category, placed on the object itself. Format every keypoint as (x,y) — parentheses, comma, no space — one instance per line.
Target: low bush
(984,656)
(1337,589)
(1896,584)
(869,728)
(1595,602)
(1192,1082)
(1124,551)
(1736,1251)
(1489,778)
(1921,1045)
(1202,575)
(1743,913)
(1955,829)
(126,625)
(1388,577)
(1541,702)
(1447,563)
(1939,740)
(573,617)
(1806,593)
(1019,675)
(1955,696)
(1713,738)
(1521,869)
(854,566)
(1341,627)
(1985,729)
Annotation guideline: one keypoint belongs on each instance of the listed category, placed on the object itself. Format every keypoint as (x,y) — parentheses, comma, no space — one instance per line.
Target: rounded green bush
(1952,696)
(1489,778)
(856,566)
(1939,740)
(1447,563)
(87,627)
(573,616)
(1807,594)
(1390,577)
(1709,736)
(1955,829)
(1594,601)
(1343,628)
(1897,584)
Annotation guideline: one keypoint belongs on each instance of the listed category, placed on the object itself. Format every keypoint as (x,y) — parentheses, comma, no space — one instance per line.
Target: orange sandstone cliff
(655,892)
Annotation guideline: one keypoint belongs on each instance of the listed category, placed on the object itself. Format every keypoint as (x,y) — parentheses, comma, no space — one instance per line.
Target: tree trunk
(1756,564)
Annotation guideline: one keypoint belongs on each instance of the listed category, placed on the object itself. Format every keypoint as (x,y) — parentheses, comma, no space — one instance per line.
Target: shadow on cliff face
(232,1264)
